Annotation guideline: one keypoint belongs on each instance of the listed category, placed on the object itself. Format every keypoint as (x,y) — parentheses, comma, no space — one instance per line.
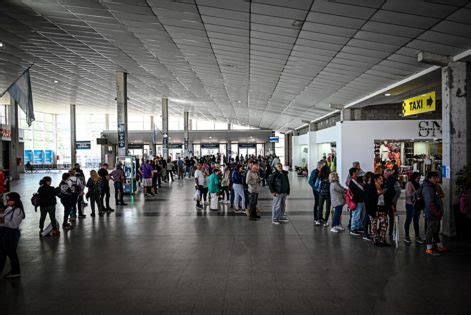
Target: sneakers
(334,230)
(419,241)
(367,238)
(12,275)
(284,219)
(326,224)
(67,226)
(276,222)
(354,233)
(339,228)
(407,241)
(317,222)
(431,252)
(92,214)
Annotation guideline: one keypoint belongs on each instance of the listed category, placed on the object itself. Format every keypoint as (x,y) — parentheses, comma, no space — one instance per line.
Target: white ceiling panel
(268,63)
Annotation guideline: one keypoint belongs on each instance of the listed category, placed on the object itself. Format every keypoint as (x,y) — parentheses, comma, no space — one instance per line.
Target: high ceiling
(268,63)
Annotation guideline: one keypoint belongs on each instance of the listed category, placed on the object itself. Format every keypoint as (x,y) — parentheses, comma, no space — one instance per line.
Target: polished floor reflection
(162,256)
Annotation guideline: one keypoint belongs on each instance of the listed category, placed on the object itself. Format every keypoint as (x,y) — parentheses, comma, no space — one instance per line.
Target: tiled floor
(162,256)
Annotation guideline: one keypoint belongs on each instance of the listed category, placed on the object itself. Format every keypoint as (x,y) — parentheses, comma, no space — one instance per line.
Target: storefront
(415,143)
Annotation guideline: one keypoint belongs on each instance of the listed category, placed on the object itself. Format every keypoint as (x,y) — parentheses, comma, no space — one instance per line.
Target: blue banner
(28,156)
(48,157)
(38,157)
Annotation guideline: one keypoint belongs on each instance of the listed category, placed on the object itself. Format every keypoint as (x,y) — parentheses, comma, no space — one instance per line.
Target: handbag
(351,204)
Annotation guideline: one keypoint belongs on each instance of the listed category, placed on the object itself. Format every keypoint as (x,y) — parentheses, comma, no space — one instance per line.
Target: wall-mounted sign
(121,136)
(83,145)
(175,146)
(274,139)
(101,141)
(135,146)
(247,145)
(419,104)
(210,146)
(430,129)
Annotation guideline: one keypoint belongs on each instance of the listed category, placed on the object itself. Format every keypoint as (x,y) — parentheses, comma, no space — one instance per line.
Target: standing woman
(324,196)
(213,188)
(337,198)
(10,221)
(414,206)
(67,199)
(47,203)
(95,187)
(170,167)
(225,184)
(378,233)
(371,204)
(238,186)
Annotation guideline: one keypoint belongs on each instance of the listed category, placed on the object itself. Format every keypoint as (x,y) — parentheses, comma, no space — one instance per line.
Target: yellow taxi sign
(420,104)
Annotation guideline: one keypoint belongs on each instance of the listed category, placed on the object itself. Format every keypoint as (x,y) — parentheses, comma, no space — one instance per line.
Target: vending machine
(129,168)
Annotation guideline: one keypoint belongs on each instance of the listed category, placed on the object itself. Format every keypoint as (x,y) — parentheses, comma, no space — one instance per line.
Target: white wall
(299,142)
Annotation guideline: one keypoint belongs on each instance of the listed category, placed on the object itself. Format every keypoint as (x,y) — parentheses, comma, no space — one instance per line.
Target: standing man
(254,184)
(431,192)
(279,188)
(105,193)
(199,183)
(358,192)
(119,179)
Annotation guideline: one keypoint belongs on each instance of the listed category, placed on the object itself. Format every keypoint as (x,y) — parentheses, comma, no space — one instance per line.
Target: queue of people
(371,200)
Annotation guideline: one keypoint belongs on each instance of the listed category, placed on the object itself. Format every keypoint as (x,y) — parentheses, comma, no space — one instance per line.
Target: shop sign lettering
(430,129)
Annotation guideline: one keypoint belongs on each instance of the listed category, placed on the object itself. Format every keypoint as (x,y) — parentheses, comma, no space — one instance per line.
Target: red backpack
(351,204)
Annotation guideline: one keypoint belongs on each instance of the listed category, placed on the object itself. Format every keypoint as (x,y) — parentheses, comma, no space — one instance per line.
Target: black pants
(67,203)
(51,210)
(316,205)
(95,198)
(205,194)
(200,189)
(432,234)
(225,192)
(105,197)
(321,215)
(118,192)
(253,204)
(170,174)
(8,244)
(80,204)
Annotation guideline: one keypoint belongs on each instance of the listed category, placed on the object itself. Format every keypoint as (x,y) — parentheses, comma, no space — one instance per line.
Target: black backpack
(35,200)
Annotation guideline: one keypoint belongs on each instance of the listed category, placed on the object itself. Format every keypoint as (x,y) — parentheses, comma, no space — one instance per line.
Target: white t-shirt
(199,177)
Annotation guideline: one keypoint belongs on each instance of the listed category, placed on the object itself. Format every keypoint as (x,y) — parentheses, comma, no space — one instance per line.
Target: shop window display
(408,156)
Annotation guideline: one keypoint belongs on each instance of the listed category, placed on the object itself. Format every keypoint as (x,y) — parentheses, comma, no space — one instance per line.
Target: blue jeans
(337,215)
(278,206)
(357,216)
(412,214)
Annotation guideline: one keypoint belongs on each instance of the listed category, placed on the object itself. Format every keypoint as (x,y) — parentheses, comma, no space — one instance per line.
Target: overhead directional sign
(420,104)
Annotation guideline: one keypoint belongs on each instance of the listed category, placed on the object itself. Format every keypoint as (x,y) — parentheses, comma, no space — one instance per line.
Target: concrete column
(165,127)
(15,140)
(186,133)
(122,111)
(229,126)
(153,146)
(73,135)
(288,149)
(456,134)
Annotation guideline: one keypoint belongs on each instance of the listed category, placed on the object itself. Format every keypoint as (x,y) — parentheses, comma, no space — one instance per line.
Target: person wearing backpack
(413,208)
(64,191)
(433,214)
(10,221)
(80,175)
(312,182)
(119,179)
(76,187)
(95,187)
(47,203)
(324,196)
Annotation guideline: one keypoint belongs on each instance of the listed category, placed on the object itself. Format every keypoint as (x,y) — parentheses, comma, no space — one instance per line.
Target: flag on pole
(21,92)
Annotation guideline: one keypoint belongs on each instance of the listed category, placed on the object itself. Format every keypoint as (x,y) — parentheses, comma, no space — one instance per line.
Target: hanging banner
(420,104)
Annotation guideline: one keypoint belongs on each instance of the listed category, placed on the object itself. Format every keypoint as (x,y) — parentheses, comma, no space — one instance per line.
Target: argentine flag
(20,91)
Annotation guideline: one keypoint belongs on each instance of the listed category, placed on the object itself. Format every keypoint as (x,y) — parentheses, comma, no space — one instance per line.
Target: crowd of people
(371,199)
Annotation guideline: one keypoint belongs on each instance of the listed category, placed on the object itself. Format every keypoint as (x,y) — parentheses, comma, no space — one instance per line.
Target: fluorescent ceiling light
(387,94)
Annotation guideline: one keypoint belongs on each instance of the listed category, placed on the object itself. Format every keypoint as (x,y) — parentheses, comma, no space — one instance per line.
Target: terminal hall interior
(235,156)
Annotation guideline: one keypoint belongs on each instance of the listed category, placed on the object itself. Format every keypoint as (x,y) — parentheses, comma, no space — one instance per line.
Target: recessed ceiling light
(239,101)
(1,44)
(387,94)
(210,137)
(55,81)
